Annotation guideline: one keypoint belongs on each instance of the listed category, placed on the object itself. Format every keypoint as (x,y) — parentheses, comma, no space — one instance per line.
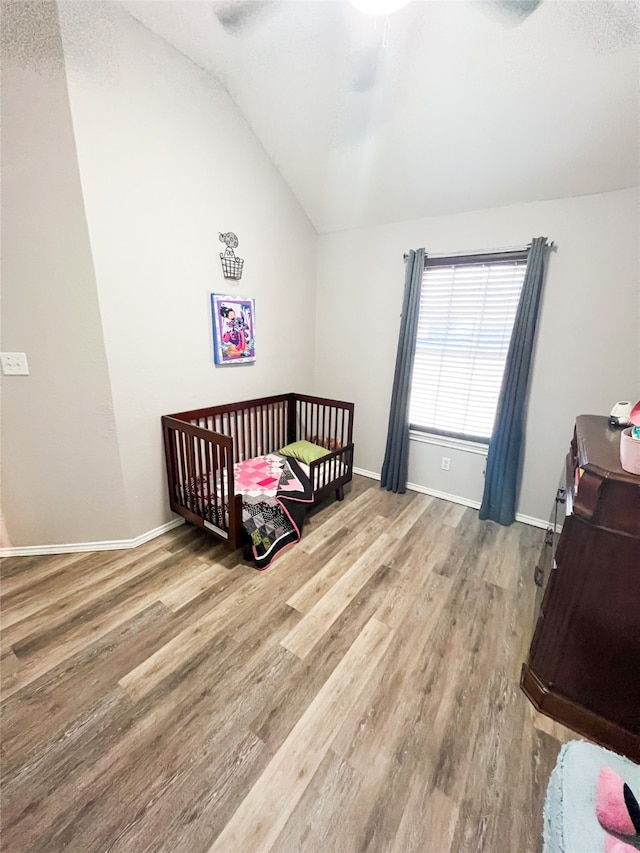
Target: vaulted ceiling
(441,107)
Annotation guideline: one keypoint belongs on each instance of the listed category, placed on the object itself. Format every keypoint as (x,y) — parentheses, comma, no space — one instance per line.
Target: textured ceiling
(447,106)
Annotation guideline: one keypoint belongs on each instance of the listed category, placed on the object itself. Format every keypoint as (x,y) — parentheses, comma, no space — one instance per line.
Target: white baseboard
(123,544)
(533,522)
(445,496)
(456,499)
(370,474)
(74,547)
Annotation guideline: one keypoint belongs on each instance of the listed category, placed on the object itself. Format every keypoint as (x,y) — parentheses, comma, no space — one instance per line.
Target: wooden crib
(202,446)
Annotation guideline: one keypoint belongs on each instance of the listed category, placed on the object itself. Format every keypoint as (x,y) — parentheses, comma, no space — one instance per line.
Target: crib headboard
(266,424)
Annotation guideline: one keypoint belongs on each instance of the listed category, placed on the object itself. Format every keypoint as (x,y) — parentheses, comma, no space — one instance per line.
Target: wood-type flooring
(359,695)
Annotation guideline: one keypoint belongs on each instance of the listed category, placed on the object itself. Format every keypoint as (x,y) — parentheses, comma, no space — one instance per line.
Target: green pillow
(304,451)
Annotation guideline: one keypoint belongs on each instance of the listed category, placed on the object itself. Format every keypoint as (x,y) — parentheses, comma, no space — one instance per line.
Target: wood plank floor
(360,695)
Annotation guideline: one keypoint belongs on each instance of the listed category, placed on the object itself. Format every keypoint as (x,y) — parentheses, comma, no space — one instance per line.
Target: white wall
(113,310)
(166,162)
(61,475)
(588,347)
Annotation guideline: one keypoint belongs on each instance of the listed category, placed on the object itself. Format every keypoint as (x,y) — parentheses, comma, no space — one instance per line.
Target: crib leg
(340,493)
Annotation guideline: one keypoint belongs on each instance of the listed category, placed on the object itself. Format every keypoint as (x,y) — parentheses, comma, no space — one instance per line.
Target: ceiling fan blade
(364,59)
(509,12)
(235,16)
(364,70)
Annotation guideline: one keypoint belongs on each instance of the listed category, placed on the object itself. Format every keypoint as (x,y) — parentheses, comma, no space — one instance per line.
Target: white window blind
(467,312)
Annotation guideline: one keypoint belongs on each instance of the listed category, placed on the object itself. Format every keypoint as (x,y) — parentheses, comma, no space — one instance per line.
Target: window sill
(449,442)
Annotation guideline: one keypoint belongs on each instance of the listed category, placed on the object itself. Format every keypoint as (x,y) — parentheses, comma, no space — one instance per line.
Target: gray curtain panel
(504,457)
(396,457)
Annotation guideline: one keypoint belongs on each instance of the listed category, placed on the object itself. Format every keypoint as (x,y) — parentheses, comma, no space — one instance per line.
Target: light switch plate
(14,363)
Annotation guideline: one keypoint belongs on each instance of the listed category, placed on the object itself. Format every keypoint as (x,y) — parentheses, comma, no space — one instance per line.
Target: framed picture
(233,329)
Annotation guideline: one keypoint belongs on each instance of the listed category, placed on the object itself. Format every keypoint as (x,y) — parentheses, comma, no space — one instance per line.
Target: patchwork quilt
(274,492)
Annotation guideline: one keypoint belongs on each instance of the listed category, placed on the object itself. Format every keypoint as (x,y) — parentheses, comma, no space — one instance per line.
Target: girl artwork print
(233,329)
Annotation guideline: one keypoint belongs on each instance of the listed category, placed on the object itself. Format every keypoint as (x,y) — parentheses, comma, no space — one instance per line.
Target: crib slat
(209,477)
(237,437)
(190,473)
(268,429)
(186,497)
(199,474)
(220,487)
(253,431)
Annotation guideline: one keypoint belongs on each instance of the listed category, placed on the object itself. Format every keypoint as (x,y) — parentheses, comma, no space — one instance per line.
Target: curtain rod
(480,252)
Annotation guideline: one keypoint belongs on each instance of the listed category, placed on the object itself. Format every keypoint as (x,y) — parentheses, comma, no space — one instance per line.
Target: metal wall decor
(231,263)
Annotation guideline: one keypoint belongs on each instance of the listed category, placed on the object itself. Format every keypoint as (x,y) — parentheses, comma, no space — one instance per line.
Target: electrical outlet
(14,363)
(446,463)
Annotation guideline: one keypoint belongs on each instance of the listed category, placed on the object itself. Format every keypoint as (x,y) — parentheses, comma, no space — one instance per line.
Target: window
(467,310)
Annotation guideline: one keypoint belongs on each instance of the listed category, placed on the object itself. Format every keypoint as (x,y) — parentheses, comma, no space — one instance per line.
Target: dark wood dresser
(584,661)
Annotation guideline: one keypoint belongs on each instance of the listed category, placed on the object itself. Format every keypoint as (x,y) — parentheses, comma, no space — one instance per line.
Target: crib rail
(323,421)
(266,424)
(257,427)
(332,472)
(200,475)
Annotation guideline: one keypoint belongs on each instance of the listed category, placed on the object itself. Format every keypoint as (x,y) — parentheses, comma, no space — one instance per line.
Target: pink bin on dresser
(629,452)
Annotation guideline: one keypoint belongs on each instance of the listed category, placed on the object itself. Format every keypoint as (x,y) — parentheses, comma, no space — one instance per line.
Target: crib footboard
(200,478)
(331,472)
(328,423)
